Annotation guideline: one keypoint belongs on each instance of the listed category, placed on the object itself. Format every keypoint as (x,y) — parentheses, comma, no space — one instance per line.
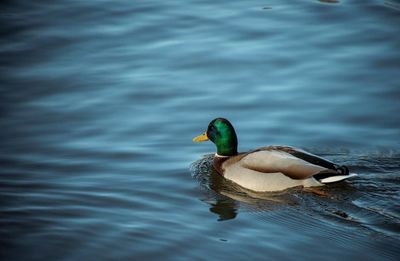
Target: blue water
(99,101)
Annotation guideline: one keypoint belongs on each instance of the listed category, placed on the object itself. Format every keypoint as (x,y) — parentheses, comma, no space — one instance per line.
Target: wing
(306,156)
(272,161)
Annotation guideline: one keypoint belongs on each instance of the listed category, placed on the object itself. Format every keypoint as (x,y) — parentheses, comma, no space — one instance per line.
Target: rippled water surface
(99,101)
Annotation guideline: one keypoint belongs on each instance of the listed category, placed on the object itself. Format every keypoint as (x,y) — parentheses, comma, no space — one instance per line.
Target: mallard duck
(272,168)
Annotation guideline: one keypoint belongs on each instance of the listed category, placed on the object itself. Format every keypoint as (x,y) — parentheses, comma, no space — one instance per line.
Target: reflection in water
(224,209)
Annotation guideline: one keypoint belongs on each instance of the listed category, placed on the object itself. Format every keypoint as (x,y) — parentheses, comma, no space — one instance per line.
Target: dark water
(100,100)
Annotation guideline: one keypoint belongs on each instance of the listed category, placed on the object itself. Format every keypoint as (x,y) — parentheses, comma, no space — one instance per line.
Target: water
(100,101)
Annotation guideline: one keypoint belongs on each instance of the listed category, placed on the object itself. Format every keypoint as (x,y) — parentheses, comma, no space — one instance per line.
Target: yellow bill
(200,138)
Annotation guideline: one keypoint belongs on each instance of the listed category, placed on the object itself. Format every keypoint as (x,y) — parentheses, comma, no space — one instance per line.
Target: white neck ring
(220,156)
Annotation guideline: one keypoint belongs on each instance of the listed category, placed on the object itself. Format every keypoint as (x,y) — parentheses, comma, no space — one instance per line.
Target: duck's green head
(221,132)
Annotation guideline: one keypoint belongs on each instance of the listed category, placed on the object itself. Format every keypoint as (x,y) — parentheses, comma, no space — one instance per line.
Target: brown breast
(218,162)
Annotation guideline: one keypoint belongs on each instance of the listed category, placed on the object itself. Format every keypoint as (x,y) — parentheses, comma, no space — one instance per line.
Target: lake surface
(100,100)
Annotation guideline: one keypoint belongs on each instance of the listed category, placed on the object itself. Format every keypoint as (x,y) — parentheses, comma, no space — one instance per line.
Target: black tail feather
(343,170)
(338,171)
